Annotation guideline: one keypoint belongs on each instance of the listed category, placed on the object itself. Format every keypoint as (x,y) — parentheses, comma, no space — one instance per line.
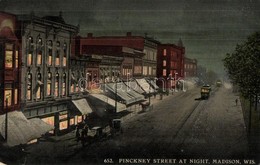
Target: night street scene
(130,82)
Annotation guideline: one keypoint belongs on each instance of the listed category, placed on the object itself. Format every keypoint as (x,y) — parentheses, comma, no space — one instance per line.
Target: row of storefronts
(52,75)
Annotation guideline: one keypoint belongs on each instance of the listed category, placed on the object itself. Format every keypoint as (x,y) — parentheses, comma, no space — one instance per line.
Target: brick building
(190,67)
(170,63)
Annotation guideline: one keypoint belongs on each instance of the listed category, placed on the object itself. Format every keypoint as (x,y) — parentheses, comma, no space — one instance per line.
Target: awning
(134,86)
(125,93)
(152,82)
(83,106)
(145,85)
(120,106)
(21,130)
(40,125)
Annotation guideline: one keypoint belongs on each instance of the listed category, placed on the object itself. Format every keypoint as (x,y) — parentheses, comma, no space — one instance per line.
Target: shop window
(49,84)
(50,121)
(56,90)
(8,55)
(29,86)
(64,84)
(8,95)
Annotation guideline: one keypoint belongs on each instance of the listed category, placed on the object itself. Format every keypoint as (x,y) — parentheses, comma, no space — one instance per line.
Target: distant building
(170,63)
(125,56)
(190,67)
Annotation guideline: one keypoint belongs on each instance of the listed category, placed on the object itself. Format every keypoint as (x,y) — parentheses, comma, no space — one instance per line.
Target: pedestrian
(86,130)
(236,101)
(77,134)
(82,137)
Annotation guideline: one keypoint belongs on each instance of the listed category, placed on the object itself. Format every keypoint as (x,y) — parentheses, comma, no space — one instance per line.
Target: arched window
(30,51)
(56,90)
(64,84)
(39,52)
(49,84)
(64,59)
(49,43)
(72,83)
(29,86)
(39,86)
(57,58)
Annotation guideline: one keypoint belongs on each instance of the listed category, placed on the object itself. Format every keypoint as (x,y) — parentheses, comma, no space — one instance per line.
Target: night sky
(208,28)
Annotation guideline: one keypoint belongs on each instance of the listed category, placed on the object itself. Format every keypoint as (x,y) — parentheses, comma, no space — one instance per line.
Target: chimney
(90,35)
(128,34)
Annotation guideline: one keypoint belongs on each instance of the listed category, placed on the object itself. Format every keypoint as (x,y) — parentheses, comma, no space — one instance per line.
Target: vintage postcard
(130,82)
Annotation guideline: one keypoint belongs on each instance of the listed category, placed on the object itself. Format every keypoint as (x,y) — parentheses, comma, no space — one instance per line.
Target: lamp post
(115,94)
(175,78)
(6,118)
(149,92)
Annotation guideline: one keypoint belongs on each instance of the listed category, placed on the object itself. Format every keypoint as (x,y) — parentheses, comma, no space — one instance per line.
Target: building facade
(190,67)
(170,64)
(10,56)
(46,77)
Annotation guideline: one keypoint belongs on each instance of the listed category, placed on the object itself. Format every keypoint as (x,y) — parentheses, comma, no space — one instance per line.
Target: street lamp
(149,92)
(175,78)
(170,78)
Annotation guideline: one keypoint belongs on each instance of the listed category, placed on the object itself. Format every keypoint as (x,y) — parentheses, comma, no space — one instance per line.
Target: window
(8,55)
(164,72)
(56,90)
(15,96)
(164,52)
(39,84)
(64,54)
(64,85)
(8,95)
(39,58)
(57,59)
(16,59)
(49,43)
(29,86)
(145,70)
(49,84)
(164,62)
(30,51)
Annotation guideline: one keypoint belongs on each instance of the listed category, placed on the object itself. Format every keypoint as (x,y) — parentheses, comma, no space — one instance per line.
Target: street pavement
(176,127)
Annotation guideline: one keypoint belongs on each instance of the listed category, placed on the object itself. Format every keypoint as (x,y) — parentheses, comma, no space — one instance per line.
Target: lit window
(16,59)
(64,54)
(39,58)
(64,85)
(29,86)
(8,55)
(39,84)
(164,62)
(57,59)
(164,52)
(164,72)
(8,95)
(56,90)
(49,84)
(29,59)
(15,96)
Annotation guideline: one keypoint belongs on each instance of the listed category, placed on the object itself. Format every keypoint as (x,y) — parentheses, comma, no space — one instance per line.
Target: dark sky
(208,28)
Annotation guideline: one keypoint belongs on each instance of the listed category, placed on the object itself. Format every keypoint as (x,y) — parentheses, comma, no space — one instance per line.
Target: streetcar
(205,92)
(218,83)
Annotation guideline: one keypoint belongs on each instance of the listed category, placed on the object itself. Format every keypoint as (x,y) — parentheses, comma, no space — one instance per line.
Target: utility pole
(6,118)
